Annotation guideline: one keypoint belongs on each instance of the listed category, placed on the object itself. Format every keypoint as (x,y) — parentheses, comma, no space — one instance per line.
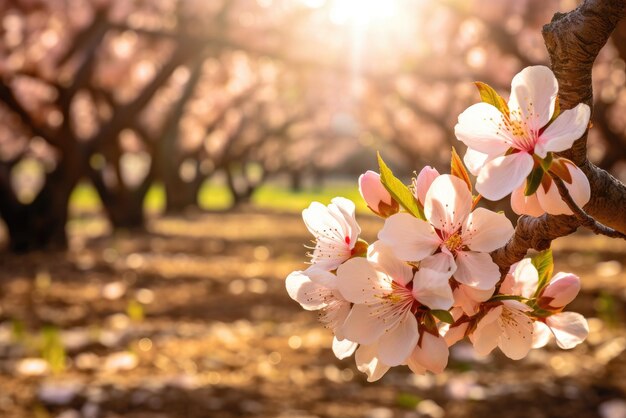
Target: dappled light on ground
(191,319)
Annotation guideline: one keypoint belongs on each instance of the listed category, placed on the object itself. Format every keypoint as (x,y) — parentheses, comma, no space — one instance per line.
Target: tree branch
(585,220)
(573,41)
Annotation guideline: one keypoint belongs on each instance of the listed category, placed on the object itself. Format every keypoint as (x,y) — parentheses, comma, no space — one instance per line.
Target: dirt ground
(191,319)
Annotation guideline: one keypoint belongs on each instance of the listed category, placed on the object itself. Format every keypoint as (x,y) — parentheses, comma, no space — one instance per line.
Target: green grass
(215,197)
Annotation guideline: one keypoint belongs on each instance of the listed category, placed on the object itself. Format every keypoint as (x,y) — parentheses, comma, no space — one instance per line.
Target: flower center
(454,242)
(525,137)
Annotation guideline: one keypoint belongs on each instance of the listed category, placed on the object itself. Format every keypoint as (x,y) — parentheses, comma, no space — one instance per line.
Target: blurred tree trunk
(240,185)
(40,224)
(295,181)
(180,194)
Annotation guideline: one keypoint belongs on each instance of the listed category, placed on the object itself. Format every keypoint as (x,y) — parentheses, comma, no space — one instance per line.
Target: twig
(584,218)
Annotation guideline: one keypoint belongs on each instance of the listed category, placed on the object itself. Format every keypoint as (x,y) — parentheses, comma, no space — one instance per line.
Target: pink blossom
(376,196)
(316,290)
(453,240)
(335,230)
(569,328)
(550,201)
(506,326)
(580,190)
(508,142)
(386,296)
(422,182)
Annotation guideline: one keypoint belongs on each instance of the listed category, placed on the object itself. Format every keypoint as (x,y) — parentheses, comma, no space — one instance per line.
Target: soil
(191,319)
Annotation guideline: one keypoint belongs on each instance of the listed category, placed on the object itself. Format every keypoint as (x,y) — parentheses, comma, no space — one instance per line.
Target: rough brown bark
(573,41)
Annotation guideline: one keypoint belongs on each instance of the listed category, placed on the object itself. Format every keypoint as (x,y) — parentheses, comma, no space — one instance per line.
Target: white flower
(316,290)
(549,200)
(506,326)
(568,328)
(502,147)
(453,240)
(335,230)
(386,297)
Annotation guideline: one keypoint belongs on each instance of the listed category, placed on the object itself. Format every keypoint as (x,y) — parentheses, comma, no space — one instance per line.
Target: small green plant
(52,349)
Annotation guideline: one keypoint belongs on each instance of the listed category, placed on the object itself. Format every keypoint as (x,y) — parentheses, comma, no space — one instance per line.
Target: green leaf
(547,162)
(399,191)
(544,263)
(489,95)
(443,316)
(533,180)
(458,169)
(509,297)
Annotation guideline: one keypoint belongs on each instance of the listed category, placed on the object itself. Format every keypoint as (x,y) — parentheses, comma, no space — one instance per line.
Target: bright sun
(357,12)
(361,12)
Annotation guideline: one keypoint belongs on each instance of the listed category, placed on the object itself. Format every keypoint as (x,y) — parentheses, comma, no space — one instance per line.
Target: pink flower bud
(376,196)
(561,290)
(422,183)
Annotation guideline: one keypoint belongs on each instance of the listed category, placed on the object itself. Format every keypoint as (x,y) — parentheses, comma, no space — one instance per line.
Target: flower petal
(570,125)
(383,258)
(475,160)
(533,96)
(310,295)
(480,128)
(362,327)
(569,328)
(409,238)
(503,174)
(455,334)
(541,334)
(431,288)
(359,282)
(525,279)
(476,270)
(343,348)
(469,299)
(423,181)
(442,262)
(525,205)
(448,203)
(396,345)
(431,353)
(348,209)
(579,189)
(487,333)
(321,277)
(517,336)
(486,231)
(368,362)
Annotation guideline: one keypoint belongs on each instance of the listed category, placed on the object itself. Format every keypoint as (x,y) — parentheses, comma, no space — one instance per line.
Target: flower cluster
(429,280)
